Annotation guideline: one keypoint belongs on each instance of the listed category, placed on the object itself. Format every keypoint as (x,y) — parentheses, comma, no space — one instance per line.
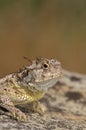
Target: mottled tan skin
(29,85)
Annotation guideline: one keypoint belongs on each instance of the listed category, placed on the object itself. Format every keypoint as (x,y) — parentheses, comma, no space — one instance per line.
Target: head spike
(30,61)
(38,59)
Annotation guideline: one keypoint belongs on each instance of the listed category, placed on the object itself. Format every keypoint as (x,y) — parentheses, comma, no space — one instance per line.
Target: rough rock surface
(66,108)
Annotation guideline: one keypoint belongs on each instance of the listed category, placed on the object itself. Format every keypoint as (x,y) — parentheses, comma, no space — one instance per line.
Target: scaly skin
(29,85)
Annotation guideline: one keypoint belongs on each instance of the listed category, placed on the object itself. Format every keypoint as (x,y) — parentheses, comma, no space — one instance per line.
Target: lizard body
(28,85)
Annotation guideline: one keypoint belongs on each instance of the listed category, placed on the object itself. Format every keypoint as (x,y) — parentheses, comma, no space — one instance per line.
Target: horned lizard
(27,85)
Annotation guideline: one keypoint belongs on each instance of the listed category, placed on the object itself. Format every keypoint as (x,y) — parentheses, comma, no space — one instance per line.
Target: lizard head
(42,73)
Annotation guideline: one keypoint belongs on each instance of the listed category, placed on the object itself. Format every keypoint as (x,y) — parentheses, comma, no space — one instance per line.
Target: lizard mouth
(44,85)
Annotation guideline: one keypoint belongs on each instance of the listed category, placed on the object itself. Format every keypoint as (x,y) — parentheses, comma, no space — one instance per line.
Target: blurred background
(42,28)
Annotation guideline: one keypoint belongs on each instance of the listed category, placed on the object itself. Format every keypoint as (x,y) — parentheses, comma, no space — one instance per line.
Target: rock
(66,108)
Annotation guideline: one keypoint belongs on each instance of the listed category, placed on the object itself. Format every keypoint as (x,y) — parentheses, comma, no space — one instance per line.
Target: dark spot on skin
(16,92)
(6,89)
(74,95)
(73,78)
(23,73)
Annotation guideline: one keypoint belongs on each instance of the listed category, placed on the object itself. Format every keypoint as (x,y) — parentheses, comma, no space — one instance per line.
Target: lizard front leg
(39,107)
(8,105)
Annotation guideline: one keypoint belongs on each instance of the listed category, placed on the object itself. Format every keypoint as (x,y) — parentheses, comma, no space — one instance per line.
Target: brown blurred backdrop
(45,28)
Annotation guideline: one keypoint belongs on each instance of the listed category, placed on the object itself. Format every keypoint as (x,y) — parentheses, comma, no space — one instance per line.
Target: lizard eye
(45,66)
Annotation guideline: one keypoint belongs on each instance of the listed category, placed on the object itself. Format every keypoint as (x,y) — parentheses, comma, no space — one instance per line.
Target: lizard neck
(23,93)
(36,95)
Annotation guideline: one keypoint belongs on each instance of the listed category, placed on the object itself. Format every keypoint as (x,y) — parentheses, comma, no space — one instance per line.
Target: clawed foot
(19,115)
(13,111)
(39,108)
